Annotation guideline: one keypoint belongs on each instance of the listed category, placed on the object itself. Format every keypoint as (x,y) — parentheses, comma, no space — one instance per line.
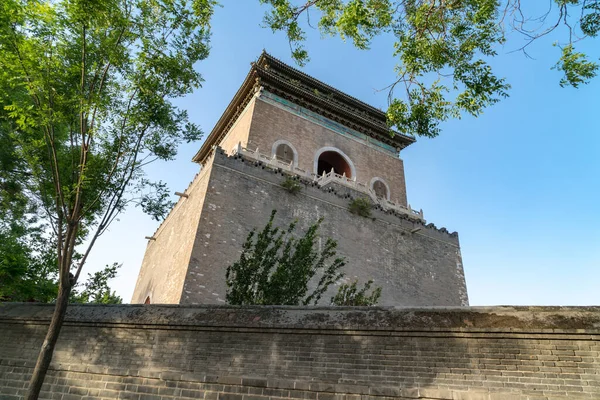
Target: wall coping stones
(378,320)
(526,354)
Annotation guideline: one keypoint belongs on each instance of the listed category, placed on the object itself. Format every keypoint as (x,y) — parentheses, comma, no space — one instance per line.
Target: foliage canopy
(443,48)
(86,89)
(96,290)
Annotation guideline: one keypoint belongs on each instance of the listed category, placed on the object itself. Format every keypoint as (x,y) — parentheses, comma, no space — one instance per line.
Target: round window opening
(329,160)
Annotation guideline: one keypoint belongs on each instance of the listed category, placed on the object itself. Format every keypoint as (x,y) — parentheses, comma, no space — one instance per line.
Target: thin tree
(276,267)
(86,89)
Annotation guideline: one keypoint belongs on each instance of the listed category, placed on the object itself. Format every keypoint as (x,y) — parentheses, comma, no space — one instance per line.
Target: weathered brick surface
(414,264)
(167,269)
(229,353)
(271,123)
(240,130)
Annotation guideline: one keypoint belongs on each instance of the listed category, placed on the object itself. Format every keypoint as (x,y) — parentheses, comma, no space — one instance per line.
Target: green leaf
(350,295)
(576,67)
(276,267)
(442,48)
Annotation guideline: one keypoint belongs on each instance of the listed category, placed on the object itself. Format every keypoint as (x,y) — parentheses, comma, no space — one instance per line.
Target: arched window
(329,158)
(284,151)
(381,189)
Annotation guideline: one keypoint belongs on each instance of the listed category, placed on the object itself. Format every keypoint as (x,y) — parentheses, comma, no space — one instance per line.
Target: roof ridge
(341,104)
(362,103)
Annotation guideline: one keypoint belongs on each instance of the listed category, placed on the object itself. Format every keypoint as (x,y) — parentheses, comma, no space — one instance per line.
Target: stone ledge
(501,320)
(463,333)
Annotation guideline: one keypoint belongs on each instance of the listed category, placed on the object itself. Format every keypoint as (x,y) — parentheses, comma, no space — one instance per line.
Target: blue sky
(521,183)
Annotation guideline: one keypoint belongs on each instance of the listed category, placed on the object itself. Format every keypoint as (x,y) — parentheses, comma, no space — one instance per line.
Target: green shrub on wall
(360,206)
(291,185)
(350,295)
(277,264)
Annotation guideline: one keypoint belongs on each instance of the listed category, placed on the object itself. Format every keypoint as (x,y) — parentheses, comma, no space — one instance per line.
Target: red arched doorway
(147,300)
(333,159)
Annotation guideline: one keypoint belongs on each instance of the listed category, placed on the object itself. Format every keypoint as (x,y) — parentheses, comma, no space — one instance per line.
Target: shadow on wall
(389,352)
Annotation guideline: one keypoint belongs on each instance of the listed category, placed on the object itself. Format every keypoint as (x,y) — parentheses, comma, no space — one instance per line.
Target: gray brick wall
(229,353)
(416,265)
(166,258)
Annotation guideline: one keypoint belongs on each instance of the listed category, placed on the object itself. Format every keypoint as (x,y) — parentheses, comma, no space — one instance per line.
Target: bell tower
(282,122)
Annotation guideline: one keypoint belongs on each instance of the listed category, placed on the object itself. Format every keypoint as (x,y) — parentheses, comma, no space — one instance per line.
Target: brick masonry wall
(270,353)
(271,123)
(240,130)
(166,258)
(416,265)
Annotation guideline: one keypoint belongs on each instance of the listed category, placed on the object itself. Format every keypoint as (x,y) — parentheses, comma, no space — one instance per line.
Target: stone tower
(282,122)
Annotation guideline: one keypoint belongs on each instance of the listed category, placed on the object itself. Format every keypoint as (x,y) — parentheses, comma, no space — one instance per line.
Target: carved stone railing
(342,180)
(387,204)
(325,179)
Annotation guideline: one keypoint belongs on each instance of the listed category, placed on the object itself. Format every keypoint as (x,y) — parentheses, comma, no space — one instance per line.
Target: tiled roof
(286,81)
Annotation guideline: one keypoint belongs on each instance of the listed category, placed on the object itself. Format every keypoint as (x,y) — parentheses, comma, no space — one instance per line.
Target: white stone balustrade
(326,178)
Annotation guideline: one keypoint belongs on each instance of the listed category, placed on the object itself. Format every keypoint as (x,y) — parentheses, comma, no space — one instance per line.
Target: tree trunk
(45,356)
